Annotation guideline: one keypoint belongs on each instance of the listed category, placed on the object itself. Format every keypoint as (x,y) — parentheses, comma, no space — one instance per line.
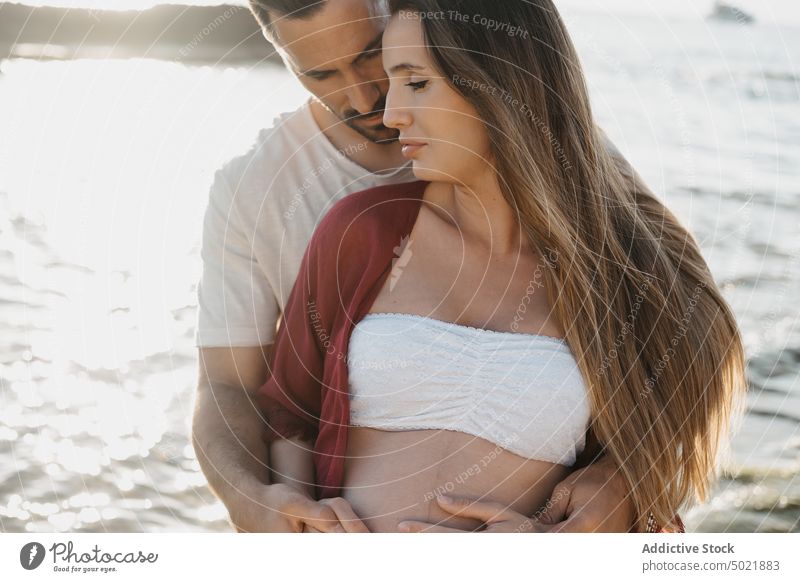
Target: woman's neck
(481,213)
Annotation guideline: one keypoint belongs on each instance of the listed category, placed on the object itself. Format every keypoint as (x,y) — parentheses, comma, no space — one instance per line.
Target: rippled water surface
(104,171)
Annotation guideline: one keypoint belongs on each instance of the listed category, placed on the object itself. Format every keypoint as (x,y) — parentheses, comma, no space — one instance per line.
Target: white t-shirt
(262,210)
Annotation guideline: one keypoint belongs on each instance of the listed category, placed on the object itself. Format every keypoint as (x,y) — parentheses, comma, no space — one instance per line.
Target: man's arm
(592,499)
(227,431)
(592,451)
(227,428)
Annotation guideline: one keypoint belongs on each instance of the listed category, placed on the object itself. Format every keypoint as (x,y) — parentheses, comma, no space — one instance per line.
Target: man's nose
(363,94)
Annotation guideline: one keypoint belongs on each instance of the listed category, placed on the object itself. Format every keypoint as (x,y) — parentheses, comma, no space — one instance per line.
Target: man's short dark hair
(264,10)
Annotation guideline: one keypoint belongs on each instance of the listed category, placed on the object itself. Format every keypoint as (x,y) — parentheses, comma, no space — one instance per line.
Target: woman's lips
(411,148)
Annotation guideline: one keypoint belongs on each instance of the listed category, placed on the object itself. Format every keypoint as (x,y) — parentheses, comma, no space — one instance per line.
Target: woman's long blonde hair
(656,342)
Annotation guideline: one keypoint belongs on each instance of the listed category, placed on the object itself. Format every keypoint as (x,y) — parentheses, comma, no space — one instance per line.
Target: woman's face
(439,129)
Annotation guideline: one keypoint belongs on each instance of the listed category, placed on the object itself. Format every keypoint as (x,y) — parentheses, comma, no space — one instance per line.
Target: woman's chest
(452,283)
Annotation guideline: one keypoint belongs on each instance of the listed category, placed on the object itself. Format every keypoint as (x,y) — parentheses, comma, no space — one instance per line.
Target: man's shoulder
(271,151)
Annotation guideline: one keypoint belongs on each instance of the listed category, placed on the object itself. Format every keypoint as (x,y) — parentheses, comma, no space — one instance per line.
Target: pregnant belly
(391,476)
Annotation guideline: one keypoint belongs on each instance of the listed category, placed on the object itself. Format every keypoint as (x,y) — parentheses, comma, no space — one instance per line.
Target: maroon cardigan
(346,263)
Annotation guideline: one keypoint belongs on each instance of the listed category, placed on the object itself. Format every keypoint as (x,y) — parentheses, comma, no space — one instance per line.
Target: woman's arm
(292,463)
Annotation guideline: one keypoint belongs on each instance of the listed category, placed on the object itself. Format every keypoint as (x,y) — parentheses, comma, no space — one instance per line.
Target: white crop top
(523,392)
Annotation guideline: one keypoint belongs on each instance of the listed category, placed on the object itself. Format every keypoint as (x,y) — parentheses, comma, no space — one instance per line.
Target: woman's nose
(395,115)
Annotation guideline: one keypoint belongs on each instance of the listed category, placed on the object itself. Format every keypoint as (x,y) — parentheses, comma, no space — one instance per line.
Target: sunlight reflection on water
(103,185)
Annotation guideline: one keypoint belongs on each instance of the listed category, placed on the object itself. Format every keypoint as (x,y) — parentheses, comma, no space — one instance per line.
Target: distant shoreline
(191,34)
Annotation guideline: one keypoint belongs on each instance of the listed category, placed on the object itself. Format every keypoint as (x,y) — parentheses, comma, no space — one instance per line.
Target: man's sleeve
(236,305)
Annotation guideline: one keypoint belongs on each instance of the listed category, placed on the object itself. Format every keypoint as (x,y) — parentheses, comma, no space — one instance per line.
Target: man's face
(336,54)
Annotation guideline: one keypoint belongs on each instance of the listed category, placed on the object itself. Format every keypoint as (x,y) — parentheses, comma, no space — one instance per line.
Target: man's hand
(496,518)
(280,508)
(349,522)
(592,499)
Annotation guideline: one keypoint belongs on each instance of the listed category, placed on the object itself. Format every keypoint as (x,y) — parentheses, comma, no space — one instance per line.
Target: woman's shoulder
(375,211)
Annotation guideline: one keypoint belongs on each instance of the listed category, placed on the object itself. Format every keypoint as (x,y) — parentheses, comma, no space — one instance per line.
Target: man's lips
(377,116)
(410,148)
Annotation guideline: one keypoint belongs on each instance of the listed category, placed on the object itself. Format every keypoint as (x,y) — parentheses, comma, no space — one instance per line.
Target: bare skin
(392,476)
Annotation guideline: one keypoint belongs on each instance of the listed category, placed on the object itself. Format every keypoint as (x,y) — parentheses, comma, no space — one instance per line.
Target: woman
(474,331)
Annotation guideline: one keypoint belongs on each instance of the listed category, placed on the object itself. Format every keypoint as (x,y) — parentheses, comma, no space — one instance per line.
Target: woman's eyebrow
(405,67)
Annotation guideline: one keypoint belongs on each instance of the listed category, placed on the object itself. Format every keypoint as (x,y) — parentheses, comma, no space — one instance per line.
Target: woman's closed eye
(418,85)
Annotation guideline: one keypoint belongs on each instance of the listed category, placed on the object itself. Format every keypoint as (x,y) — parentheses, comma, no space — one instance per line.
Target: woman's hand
(496,517)
(282,508)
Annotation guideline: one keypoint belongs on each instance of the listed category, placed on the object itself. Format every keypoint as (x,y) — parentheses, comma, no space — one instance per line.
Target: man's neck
(369,155)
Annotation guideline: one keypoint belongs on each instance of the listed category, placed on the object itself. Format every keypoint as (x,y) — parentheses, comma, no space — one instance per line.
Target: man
(262,210)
